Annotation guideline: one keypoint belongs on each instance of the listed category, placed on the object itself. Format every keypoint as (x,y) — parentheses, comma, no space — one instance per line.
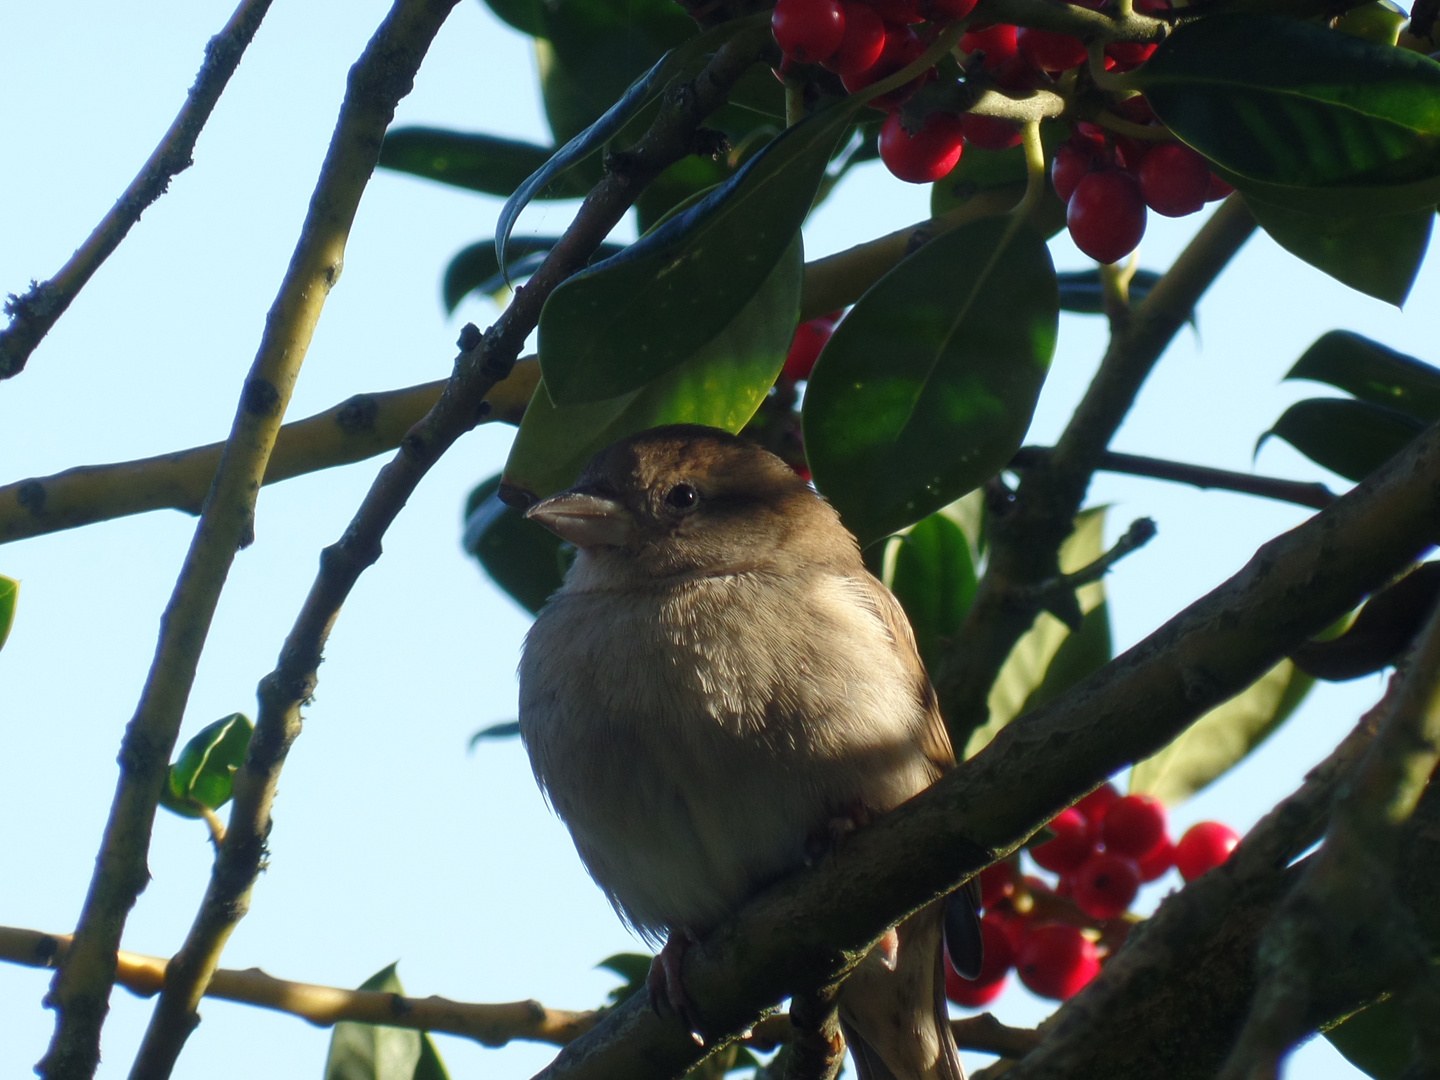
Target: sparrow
(719,683)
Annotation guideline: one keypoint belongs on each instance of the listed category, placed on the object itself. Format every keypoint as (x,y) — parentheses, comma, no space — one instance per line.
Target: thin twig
(81,989)
(483,362)
(34,312)
(1346,902)
(1057,594)
(492,1025)
(358,428)
(809,929)
(1314,495)
(1027,533)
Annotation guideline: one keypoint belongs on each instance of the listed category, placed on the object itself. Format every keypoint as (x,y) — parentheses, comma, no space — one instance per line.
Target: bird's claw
(666,986)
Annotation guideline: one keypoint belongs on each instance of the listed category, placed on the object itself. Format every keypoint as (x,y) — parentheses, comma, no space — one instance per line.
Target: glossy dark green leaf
(9,595)
(1082,292)
(485,163)
(1372,372)
(1352,438)
(1378,1040)
(1290,102)
(377,1052)
(523,558)
(523,15)
(1381,633)
(1379,256)
(506,729)
(933,577)
(721,384)
(204,773)
(475,269)
(1222,738)
(927,386)
(980,171)
(629,319)
(1028,666)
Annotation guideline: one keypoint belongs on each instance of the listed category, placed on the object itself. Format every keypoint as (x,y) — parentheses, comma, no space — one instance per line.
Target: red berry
(1158,862)
(1128,54)
(1218,189)
(996,883)
(1073,160)
(1049,51)
(1174,180)
(971,995)
(1204,847)
(999,958)
(925,156)
(1072,844)
(1134,826)
(997,42)
(1106,884)
(902,48)
(1056,960)
(989,132)
(810,338)
(808,30)
(946,10)
(863,42)
(1094,805)
(1106,215)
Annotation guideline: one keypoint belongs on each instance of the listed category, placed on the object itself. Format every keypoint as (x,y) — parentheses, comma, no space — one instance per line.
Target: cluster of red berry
(1102,849)
(1107,181)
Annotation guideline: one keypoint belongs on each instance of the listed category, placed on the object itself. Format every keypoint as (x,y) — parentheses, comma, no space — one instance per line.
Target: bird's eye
(681,497)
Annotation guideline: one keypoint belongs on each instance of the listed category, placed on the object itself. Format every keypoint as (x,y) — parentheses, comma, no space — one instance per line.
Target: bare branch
(483,362)
(80,991)
(34,312)
(358,428)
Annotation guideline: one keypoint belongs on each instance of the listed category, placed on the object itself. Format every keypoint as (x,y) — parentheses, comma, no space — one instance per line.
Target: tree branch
(80,990)
(1026,534)
(808,930)
(483,362)
(1316,496)
(33,313)
(359,427)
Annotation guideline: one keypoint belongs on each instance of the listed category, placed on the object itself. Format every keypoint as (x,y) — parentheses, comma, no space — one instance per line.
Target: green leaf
(933,577)
(376,1052)
(1378,256)
(1082,653)
(523,15)
(1380,634)
(1372,372)
(523,558)
(506,729)
(1378,22)
(204,773)
(1027,668)
(634,968)
(626,321)
(1378,1040)
(1082,291)
(475,269)
(9,595)
(485,163)
(721,385)
(1221,738)
(927,386)
(1352,438)
(980,171)
(1289,102)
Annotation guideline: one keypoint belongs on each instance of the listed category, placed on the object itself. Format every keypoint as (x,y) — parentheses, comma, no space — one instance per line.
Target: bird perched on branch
(717,687)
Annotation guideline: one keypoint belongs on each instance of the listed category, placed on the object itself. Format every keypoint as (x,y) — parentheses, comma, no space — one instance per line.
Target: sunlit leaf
(1285,101)
(927,386)
(1352,438)
(1378,22)
(9,595)
(633,317)
(378,1052)
(1378,256)
(1221,738)
(484,163)
(1372,372)
(1378,1040)
(204,773)
(721,385)
(1029,663)
(523,558)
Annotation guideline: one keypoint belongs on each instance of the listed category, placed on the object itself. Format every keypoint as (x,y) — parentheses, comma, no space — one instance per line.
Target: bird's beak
(585,520)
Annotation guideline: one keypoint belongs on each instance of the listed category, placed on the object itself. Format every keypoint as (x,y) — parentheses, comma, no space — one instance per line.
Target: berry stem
(1109,81)
(1034,169)
(928,59)
(1121,126)
(794,101)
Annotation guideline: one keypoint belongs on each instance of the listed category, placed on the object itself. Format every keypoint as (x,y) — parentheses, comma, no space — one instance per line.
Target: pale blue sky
(390,842)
